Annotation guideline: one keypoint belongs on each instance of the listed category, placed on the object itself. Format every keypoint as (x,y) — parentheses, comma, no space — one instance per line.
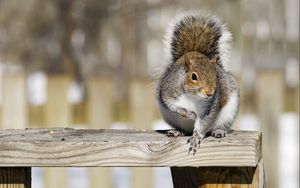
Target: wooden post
(292,54)
(142,104)
(248,55)
(142,113)
(14,111)
(58,114)
(220,177)
(100,100)
(14,116)
(270,98)
(58,108)
(15,177)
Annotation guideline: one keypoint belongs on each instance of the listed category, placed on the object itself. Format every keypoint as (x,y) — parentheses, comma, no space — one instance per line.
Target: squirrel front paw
(187,114)
(219,133)
(174,133)
(195,141)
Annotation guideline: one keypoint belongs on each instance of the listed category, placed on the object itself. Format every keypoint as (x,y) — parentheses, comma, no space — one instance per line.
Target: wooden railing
(227,162)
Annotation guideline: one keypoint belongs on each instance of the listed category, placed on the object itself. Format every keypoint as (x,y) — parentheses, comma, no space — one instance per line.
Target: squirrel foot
(219,133)
(194,142)
(187,114)
(174,133)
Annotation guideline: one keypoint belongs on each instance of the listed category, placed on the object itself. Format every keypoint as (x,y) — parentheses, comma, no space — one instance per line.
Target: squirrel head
(201,76)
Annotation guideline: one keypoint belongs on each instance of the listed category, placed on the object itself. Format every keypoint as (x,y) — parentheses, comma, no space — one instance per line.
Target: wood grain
(90,147)
(15,177)
(218,177)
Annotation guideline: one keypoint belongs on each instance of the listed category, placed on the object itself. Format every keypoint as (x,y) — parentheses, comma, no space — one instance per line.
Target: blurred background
(90,64)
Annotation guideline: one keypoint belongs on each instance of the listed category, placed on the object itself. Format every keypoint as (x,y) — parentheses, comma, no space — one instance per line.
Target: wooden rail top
(66,147)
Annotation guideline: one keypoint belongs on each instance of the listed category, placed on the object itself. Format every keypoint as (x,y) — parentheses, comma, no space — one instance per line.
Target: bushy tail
(193,31)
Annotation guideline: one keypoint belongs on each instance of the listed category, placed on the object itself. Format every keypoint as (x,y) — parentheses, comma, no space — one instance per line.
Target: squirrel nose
(209,94)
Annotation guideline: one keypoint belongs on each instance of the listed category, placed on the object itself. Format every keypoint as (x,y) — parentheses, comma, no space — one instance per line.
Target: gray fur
(170,85)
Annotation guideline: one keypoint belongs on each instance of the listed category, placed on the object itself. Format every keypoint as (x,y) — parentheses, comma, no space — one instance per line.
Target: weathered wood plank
(100,98)
(76,148)
(220,177)
(15,177)
(14,109)
(58,108)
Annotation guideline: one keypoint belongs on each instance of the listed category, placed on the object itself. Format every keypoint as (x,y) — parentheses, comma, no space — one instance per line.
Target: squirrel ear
(187,63)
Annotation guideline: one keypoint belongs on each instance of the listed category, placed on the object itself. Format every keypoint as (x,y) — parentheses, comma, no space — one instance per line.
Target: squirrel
(195,94)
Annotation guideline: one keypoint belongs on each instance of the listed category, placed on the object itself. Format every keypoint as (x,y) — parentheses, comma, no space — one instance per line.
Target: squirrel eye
(194,76)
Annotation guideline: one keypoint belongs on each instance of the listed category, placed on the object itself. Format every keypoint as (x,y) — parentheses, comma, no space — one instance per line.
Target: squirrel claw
(174,133)
(218,133)
(183,112)
(194,142)
(192,115)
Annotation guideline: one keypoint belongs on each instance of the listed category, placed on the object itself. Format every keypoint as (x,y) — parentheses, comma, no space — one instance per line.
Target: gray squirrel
(196,95)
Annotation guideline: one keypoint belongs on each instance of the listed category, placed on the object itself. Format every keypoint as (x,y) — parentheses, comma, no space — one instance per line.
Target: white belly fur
(187,102)
(226,115)
(228,112)
(192,103)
